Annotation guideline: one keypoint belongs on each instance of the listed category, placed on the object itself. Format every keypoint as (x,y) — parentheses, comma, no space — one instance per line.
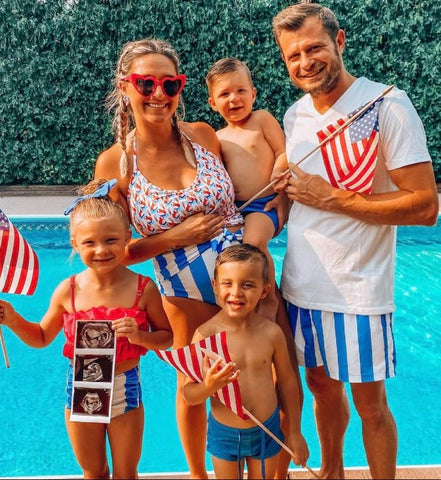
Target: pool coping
(47,200)
(403,472)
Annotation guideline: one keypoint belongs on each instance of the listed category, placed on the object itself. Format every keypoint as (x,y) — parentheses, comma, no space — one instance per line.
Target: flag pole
(329,137)
(5,353)
(275,438)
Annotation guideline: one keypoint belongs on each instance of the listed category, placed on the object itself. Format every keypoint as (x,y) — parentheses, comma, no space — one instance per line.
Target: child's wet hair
(241,253)
(226,65)
(96,207)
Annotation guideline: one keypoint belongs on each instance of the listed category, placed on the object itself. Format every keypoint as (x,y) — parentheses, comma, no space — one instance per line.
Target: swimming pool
(33,437)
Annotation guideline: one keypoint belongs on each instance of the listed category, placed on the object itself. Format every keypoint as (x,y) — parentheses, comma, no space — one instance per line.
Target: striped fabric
(19,267)
(188,360)
(352,348)
(187,272)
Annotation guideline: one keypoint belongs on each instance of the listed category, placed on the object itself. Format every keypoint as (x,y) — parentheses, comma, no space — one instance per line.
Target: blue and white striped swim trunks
(127,393)
(187,272)
(352,348)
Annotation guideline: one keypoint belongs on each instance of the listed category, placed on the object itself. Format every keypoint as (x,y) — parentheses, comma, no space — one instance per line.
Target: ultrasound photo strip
(93,371)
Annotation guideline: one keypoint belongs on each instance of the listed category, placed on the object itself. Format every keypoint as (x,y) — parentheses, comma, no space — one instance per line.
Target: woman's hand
(197,228)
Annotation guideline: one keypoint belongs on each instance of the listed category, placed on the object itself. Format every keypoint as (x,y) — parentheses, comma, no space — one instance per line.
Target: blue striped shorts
(127,393)
(187,272)
(352,348)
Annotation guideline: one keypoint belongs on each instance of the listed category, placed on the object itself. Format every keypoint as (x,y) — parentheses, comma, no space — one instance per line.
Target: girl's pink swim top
(124,349)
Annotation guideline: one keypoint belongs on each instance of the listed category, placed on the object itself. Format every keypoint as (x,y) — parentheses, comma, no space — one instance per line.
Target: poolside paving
(47,199)
(405,472)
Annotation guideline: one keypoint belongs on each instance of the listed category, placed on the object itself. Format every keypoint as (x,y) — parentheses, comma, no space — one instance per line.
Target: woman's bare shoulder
(203,134)
(108,161)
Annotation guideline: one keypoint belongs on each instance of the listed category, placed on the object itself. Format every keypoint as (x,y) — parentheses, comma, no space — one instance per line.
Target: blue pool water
(33,438)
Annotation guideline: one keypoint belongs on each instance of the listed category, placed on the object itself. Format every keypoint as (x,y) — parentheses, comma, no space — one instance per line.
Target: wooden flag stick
(329,137)
(275,438)
(5,353)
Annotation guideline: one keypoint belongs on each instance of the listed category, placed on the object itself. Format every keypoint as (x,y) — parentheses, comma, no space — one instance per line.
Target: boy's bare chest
(249,353)
(251,145)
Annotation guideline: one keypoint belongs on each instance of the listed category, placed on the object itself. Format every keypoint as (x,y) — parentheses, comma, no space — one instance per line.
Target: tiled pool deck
(47,201)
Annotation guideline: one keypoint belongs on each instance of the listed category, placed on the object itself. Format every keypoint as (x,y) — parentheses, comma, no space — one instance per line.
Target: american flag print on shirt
(188,360)
(18,262)
(351,156)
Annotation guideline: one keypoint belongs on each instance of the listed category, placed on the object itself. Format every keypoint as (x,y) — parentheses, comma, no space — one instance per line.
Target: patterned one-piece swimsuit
(186,272)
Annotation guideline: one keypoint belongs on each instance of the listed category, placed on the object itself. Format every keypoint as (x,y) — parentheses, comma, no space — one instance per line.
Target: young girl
(106,290)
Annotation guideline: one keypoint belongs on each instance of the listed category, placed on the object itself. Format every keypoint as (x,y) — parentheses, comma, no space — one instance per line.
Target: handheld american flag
(351,156)
(188,360)
(18,262)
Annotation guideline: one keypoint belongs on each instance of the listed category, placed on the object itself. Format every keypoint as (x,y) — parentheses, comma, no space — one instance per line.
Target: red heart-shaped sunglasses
(147,85)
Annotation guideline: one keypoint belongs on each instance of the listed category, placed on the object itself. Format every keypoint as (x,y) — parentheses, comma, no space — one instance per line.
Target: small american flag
(18,262)
(188,360)
(351,156)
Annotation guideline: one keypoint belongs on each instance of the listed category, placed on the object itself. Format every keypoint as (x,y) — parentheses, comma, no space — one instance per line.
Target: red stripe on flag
(23,276)
(13,253)
(4,237)
(326,161)
(34,279)
(18,262)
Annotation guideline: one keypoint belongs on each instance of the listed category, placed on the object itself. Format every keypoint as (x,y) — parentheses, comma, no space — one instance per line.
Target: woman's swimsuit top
(124,349)
(154,210)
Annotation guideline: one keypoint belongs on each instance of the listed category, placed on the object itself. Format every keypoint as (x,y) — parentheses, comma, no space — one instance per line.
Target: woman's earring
(126,100)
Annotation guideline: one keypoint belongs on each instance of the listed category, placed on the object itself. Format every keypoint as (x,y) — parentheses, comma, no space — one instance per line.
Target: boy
(255,344)
(253,148)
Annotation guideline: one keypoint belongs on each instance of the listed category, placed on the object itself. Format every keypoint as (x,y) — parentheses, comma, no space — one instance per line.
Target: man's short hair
(293,17)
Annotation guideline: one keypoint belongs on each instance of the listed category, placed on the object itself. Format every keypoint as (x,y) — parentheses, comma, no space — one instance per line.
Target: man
(339,267)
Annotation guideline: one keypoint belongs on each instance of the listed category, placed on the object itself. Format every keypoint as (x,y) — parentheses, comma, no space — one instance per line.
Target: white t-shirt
(335,262)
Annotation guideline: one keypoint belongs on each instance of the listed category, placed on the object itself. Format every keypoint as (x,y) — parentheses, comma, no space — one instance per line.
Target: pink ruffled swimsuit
(124,349)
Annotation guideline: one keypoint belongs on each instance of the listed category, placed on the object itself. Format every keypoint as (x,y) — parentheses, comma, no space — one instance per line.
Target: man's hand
(308,189)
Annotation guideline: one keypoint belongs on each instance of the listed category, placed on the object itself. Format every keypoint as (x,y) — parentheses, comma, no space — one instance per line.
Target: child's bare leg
(258,231)
(185,316)
(283,457)
(254,466)
(227,469)
(283,321)
(125,437)
(89,445)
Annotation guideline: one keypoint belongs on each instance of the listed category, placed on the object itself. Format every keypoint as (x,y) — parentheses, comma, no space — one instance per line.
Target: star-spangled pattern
(18,262)
(155,210)
(351,156)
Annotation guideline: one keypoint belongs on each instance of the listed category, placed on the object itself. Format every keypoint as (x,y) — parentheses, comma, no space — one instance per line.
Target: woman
(179,197)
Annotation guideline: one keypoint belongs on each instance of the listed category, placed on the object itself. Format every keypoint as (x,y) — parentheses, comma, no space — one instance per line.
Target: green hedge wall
(57,59)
